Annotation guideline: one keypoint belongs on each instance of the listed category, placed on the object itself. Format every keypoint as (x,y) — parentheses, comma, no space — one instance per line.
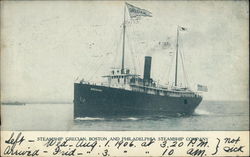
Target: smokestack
(147,68)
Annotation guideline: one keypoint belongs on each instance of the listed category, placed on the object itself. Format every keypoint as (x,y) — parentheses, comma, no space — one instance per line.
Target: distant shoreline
(71,102)
(12,103)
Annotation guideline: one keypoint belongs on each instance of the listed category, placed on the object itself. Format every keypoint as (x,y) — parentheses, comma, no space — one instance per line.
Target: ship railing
(159,88)
(106,84)
(89,83)
(161,91)
(84,82)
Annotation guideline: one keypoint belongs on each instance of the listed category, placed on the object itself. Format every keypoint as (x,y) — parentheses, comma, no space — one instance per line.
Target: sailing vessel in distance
(128,94)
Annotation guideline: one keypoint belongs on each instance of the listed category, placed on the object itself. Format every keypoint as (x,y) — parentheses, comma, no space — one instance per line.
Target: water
(210,115)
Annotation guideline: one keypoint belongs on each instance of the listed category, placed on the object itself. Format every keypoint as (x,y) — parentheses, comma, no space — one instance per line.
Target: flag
(137,12)
(182,28)
(202,88)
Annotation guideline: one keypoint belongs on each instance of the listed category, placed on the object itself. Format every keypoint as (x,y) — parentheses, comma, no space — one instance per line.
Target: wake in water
(130,118)
(158,117)
(106,119)
(198,112)
(88,118)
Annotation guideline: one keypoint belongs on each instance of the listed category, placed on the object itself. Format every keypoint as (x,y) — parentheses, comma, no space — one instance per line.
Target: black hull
(101,101)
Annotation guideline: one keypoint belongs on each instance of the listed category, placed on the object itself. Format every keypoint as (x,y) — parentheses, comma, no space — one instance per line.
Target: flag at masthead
(135,11)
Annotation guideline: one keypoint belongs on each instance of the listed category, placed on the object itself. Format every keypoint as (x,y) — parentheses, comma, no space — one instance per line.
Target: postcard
(124,78)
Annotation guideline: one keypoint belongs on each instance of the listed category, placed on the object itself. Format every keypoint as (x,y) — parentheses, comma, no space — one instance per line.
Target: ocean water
(210,115)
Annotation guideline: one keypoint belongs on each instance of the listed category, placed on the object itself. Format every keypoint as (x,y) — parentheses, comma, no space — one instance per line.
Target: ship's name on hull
(95,89)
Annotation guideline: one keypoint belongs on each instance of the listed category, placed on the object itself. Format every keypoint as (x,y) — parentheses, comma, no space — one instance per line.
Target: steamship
(128,94)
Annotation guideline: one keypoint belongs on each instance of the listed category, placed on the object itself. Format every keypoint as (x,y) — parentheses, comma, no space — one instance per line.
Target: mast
(123,43)
(176,64)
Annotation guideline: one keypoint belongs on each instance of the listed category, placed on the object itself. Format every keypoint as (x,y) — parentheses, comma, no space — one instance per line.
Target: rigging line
(170,68)
(87,65)
(95,65)
(116,51)
(99,67)
(183,81)
(110,58)
(184,72)
(130,45)
(186,75)
(163,74)
(137,49)
(183,67)
(99,59)
(91,63)
(132,52)
(88,70)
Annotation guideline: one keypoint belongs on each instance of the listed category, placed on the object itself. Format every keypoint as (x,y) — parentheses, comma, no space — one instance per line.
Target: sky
(48,45)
